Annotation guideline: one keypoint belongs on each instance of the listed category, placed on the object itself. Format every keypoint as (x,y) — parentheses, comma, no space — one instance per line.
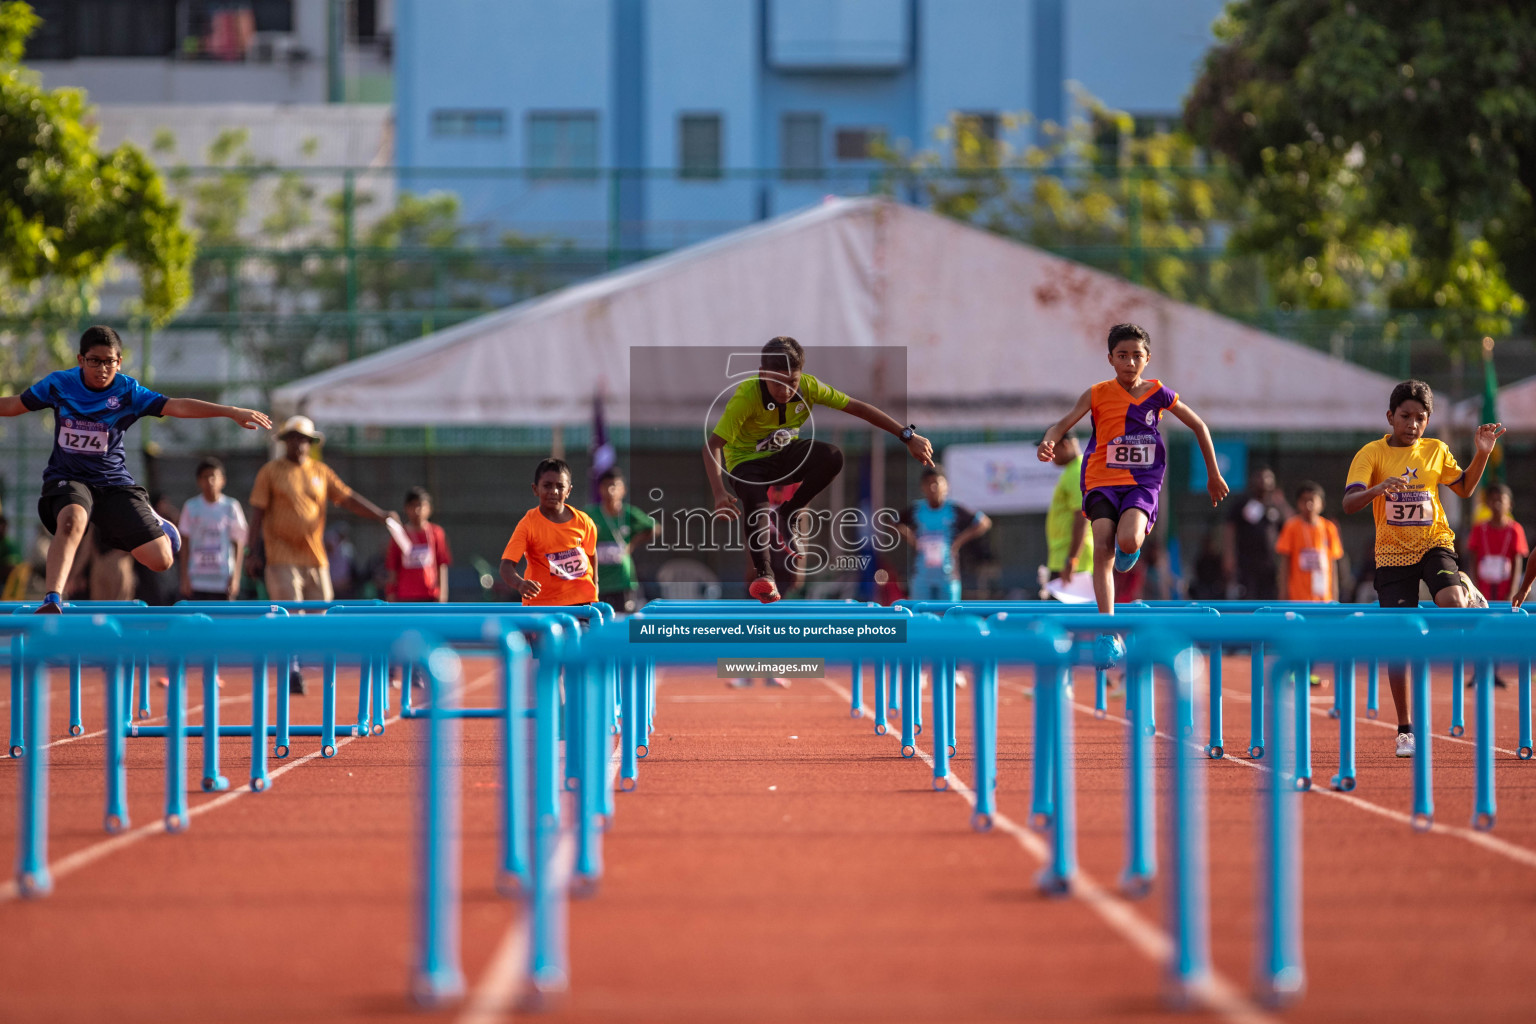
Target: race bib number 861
(1135,452)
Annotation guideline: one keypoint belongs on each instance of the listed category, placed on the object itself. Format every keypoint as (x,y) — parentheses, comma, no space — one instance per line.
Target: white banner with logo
(1000,479)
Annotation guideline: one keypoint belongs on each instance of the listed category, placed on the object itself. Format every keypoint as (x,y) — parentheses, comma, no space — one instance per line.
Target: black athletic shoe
(1499,683)
(296,683)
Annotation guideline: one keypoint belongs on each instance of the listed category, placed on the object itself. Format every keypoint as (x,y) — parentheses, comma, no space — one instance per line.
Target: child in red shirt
(1497,546)
(422,573)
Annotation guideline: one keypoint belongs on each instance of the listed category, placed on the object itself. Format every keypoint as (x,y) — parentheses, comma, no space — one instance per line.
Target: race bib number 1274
(83,437)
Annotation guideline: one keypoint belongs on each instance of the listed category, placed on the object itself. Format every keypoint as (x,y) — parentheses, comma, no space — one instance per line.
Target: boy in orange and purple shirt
(559,542)
(1124,463)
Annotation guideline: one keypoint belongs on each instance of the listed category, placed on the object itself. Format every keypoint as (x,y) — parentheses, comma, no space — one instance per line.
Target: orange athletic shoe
(764,589)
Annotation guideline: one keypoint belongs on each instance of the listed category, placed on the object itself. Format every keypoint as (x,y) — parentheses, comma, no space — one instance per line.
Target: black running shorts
(1397,586)
(122,515)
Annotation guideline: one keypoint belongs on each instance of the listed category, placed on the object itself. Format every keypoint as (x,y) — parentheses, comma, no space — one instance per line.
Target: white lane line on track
(69,864)
(1502,847)
(137,721)
(1219,995)
(495,997)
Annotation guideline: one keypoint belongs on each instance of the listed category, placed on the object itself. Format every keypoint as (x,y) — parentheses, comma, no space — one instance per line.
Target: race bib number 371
(1410,508)
(83,437)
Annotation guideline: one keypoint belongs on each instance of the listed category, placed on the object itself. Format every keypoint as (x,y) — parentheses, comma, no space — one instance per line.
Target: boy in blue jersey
(937,529)
(87,478)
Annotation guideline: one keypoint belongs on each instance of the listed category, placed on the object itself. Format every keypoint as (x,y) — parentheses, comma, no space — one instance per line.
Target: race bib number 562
(83,437)
(568,565)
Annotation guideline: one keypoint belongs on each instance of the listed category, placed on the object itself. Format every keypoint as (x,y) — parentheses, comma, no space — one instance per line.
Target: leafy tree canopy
(68,211)
(1387,151)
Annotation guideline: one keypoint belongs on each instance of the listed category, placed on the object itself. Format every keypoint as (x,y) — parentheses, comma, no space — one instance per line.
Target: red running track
(779,861)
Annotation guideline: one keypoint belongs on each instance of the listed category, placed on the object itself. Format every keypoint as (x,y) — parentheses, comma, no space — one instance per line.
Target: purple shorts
(1113,502)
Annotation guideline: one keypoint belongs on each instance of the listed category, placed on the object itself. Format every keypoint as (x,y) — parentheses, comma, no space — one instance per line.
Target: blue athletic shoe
(172,533)
(1108,650)
(1124,560)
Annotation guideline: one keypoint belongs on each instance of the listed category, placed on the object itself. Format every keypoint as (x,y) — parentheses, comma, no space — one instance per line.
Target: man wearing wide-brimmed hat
(288,520)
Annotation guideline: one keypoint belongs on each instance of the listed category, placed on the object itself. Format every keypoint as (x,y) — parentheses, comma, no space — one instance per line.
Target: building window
(857,143)
(800,145)
(365,20)
(103,28)
(699,144)
(562,143)
(469,123)
(273,15)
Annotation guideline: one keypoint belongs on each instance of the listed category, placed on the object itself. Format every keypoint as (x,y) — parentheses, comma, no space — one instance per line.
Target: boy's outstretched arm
(1060,427)
(1523,589)
(919,446)
(197,409)
(1486,437)
(1215,486)
(12,405)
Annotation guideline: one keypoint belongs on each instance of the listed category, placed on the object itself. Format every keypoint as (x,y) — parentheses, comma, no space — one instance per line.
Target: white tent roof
(997,334)
(1517,408)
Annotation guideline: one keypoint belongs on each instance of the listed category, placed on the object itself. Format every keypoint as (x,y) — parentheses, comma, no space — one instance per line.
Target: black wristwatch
(907,432)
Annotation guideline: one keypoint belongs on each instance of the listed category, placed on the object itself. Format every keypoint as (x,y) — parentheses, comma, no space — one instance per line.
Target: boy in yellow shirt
(559,542)
(1399,477)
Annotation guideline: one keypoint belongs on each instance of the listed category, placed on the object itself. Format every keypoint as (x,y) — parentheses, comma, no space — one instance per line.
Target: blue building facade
(646,124)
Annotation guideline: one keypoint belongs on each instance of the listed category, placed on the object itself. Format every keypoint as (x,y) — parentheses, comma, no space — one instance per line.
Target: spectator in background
(422,573)
(937,529)
(288,522)
(1497,546)
(101,572)
(1498,551)
(342,556)
(621,529)
(213,535)
(1210,580)
(1066,528)
(1309,550)
(1253,527)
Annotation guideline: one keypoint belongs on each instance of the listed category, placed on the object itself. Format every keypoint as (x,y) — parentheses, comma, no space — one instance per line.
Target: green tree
(69,213)
(298,279)
(1136,203)
(1387,151)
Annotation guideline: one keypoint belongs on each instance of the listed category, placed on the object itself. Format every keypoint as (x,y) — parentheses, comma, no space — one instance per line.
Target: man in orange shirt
(559,542)
(1309,550)
(288,521)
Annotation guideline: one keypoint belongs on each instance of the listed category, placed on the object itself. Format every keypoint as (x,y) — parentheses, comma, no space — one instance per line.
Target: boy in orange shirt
(559,542)
(1309,549)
